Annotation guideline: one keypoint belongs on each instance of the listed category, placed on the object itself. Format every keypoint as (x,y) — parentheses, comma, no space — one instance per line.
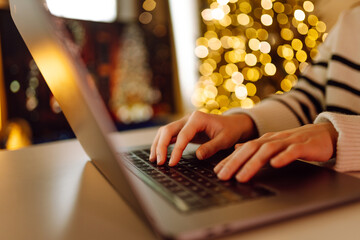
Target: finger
(237,159)
(287,156)
(152,156)
(220,165)
(259,159)
(211,147)
(186,134)
(167,134)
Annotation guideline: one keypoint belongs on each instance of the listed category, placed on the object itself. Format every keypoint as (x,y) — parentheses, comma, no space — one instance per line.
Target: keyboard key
(193,182)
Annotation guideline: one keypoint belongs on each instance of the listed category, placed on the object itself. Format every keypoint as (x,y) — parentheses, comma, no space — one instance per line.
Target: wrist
(248,126)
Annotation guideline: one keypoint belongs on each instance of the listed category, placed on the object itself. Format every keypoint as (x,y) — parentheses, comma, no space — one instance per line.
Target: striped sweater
(329,90)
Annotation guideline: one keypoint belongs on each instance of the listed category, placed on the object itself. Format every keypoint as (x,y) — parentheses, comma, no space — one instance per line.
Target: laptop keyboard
(192,184)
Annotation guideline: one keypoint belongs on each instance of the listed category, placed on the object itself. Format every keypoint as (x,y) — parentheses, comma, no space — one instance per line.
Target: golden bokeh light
(299,15)
(297,44)
(254,44)
(270,69)
(241,92)
(279,7)
(247,41)
(250,59)
(265,47)
(149,5)
(266,20)
(266,4)
(243,19)
(308,6)
(287,34)
(201,51)
(237,78)
(302,28)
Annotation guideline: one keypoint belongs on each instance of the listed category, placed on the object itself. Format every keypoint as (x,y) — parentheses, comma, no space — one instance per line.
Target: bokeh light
(251,49)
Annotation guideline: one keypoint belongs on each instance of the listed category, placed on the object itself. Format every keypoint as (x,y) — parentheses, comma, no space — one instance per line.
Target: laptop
(186,201)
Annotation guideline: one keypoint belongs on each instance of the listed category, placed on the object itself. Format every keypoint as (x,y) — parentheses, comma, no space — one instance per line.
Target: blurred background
(153,60)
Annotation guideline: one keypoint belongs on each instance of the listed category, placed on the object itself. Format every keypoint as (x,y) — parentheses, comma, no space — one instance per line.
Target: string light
(251,46)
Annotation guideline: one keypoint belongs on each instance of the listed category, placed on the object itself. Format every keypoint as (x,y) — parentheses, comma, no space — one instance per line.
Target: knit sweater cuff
(269,116)
(348,143)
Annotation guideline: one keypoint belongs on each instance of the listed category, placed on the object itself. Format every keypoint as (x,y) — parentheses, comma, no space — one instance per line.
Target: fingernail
(158,159)
(217,168)
(241,176)
(222,174)
(152,157)
(200,154)
(171,161)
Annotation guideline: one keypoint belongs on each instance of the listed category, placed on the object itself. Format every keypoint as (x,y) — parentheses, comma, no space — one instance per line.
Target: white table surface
(52,191)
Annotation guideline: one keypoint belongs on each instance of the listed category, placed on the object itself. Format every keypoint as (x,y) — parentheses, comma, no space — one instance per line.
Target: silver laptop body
(297,189)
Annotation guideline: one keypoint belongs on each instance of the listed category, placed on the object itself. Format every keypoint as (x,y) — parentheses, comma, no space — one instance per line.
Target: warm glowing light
(265,47)
(18,136)
(207,14)
(313,20)
(225,21)
(201,51)
(214,44)
(237,78)
(262,34)
(301,56)
(279,7)
(251,33)
(243,19)
(247,103)
(266,19)
(313,34)
(92,10)
(297,44)
(206,69)
(321,26)
(245,7)
(265,58)
(308,6)
(229,85)
(212,104)
(290,67)
(282,18)
(237,50)
(299,15)
(223,2)
(253,74)
(241,92)
(230,69)
(266,4)
(218,14)
(270,69)
(251,89)
(223,101)
(254,44)
(287,34)
(311,43)
(303,28)
(149,5)
(287,52)
(250,59)
(286,85)
(145,18)
(14,86)
(210,91)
